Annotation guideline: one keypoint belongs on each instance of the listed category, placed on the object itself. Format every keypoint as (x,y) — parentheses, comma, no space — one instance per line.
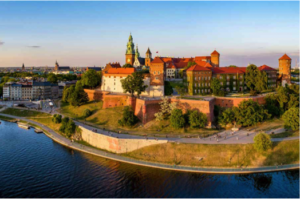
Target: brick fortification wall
(95,94)
(145,109)
(230,102)
(115,145)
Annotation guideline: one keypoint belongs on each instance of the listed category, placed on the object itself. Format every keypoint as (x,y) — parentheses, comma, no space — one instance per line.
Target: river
(32,165)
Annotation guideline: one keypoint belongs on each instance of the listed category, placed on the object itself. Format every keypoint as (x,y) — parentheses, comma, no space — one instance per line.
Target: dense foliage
(87,113)
(177,119)
(215,86)
(134,84)
(168,88)
(180,90)
(75,95)
(166,109)
(128,119)
(57,118)
(91,79)
(52,78)
(127,66)
(262,142)
(67,127)
(197,119)
(256,80)
(291,118)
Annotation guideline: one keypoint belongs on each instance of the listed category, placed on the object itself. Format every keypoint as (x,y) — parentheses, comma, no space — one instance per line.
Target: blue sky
(95,33)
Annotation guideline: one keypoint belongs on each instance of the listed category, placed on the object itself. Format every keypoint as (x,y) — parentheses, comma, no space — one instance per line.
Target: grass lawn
(274,123)
(286,152)
(25,113)
(77,112)
(285,134)
(108,119)
(47,122)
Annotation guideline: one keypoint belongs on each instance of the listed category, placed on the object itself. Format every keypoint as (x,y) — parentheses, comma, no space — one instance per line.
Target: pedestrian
(217,140)
(225,137)
(237,138)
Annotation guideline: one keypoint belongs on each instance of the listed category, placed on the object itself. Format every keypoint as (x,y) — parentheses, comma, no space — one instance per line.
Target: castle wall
(230,102)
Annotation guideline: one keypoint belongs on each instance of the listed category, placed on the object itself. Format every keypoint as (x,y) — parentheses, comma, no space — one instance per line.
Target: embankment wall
(113,144)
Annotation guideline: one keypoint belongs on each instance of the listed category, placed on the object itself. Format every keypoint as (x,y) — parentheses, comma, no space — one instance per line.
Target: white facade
(113,84)
(16,92)
(5,91)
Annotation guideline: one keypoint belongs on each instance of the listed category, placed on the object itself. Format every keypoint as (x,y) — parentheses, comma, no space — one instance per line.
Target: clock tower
(130,53)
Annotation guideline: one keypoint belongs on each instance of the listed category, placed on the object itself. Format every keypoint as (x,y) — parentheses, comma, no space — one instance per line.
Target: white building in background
(111,80)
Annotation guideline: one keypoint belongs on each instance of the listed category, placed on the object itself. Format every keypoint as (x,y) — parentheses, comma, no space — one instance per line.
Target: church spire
(137,54)
(130,46)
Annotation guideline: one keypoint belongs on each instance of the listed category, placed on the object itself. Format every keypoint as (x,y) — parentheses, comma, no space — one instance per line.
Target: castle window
(234,77)
(195,84)
(195,78)
(154,72)
(156,78)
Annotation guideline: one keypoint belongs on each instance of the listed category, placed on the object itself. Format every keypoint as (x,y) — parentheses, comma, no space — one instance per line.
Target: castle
(196,78)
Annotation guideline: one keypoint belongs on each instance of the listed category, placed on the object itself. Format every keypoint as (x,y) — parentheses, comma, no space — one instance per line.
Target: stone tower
(137,54)
(130,54)
(215,59)
(285,63)
(56,66)
(148,57)
(23,67)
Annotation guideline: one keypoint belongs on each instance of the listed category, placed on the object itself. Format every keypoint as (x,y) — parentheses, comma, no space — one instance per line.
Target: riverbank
(76,146)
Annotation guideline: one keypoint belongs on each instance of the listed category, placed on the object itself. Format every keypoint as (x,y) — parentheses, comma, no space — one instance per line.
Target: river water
(32,165)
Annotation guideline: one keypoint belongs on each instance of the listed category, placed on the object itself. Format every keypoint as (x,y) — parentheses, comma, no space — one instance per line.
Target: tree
(79,96)
(250,113)
(70,128)
(87,113)
(262,142)
(166,109)
(256,80)
(180,90)
(197,119)
(52,78)
(128,119)
(56,118)
(282,97)
(168,88)
(91,78)
(215,86)
(67,93)
(64,122)
(177,119)
(291,118)
(134,83)
(127,66)
(228,116)
(272,105)
(233,66)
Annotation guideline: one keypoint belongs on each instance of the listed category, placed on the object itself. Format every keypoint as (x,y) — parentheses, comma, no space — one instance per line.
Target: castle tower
(215,59)
(130,54)
(56,66)
(137,54)
(285,63)
(148,57)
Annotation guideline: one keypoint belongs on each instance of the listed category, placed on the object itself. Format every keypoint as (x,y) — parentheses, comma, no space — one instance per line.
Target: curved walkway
(76,146)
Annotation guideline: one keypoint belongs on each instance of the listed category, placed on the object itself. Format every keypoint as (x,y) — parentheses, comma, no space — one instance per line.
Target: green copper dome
(130,46)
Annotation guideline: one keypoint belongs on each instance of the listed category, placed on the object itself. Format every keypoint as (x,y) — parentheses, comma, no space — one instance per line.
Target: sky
(95,33)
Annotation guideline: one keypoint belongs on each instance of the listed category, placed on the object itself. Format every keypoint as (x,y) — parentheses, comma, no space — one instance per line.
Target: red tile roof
(228,70)
(121,71)
(285,57)
(198,68)
(157,60)
(215,53)
(266,68)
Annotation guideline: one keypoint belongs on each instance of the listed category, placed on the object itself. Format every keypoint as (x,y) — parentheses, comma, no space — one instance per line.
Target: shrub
(87,113)
(197,119)
(67,127)
(262,142)
(64,122)
(291,118)
(56,118)
(253,93)
(128,119)
(168,88)
(177,119)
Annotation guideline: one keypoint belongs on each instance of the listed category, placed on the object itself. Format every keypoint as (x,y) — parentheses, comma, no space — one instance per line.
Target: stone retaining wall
(113,144)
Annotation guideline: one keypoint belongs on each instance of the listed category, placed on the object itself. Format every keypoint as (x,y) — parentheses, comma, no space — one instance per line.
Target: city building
(41,90)
(62,69)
